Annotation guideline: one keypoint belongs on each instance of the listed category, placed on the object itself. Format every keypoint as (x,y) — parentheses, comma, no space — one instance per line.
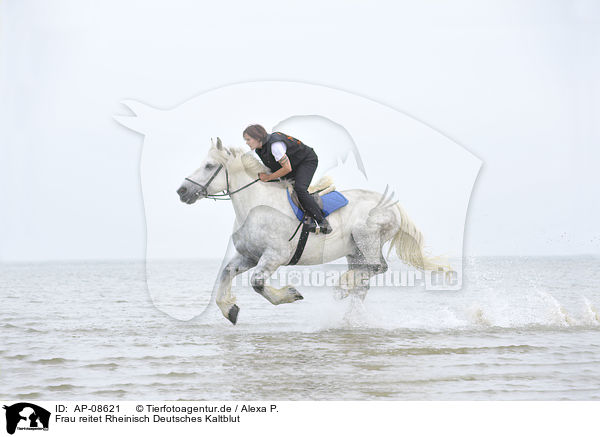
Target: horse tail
(408,243)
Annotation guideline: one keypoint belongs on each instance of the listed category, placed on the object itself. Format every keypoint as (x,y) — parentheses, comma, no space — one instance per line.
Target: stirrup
(325,227)
(312,224)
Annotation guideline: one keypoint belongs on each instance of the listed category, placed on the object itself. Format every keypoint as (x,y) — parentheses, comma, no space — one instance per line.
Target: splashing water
(519,329)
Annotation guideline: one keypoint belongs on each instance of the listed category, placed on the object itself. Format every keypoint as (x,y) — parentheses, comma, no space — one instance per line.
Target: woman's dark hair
(256,131)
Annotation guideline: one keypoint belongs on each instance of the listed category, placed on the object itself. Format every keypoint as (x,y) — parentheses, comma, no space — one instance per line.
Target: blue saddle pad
(331,202)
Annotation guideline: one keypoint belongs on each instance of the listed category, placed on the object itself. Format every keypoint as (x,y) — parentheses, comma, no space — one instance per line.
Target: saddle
(323,193)
(296,207)
(327,199)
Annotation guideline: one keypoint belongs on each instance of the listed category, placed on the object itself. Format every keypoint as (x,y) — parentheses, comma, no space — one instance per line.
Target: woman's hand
(286,167)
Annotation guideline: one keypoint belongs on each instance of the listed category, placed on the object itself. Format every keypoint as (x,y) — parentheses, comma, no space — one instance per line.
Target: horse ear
(144,117)
(219,144)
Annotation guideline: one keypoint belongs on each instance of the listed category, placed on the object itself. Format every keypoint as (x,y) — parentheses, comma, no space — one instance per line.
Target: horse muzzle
(190,196)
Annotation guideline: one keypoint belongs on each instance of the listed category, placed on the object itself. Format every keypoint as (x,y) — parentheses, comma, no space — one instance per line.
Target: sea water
(519,329)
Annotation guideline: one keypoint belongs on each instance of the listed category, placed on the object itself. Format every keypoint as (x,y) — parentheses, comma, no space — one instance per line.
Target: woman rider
(288,158)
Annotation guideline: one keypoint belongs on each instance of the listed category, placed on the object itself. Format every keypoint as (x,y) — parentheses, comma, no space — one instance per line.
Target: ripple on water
(32,395)
(110,393)
(462,350)
(56,360)
(17,357)
(177,375)
(109,365)
(21,328)
(380,394)
(62,387)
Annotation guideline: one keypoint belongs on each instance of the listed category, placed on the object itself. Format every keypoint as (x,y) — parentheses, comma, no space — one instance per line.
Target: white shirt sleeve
(278,150)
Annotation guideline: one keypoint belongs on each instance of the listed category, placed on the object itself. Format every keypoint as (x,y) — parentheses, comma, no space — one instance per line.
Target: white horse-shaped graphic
(265,222)
(431,174)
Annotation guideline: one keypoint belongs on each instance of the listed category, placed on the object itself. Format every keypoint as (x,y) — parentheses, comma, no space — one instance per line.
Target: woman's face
(253,143)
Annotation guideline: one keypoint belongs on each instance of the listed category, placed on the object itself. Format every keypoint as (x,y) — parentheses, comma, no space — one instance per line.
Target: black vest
(296,151)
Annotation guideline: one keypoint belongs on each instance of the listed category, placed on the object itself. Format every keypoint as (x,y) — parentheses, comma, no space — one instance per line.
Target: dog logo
(26,416)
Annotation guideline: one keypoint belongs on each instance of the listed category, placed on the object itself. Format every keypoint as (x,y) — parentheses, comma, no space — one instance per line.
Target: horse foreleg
(268,263)
(225,299)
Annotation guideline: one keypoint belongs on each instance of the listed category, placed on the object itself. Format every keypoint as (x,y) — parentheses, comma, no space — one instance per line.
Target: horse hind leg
(361,268)
(268,263)
(369,244)
(355,281)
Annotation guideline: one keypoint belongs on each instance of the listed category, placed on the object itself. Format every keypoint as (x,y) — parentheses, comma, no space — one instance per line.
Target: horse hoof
(340,294)
(233,314)
(295,293)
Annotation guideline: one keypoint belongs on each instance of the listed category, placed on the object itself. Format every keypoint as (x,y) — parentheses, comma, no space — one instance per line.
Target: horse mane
(247,160)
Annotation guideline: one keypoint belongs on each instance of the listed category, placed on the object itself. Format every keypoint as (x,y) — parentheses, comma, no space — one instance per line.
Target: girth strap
(301,243)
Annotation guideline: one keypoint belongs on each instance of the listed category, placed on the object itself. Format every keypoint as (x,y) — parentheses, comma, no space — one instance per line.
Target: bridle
(203,189)
(223,196)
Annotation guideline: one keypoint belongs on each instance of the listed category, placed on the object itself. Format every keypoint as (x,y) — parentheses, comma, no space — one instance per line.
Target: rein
(226,195)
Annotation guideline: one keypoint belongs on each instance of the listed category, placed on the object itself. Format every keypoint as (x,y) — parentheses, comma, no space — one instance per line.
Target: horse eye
(209,166)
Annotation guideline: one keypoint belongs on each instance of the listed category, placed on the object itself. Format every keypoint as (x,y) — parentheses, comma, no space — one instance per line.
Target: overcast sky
(517,83)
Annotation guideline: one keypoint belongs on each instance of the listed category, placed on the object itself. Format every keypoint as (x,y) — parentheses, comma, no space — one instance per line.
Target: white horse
(265,222)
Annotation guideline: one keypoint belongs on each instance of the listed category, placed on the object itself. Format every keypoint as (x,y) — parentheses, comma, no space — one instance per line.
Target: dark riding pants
(303,175)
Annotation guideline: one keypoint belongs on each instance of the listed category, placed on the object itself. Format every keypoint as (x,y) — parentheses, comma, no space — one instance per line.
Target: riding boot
(325,226)
(304,173)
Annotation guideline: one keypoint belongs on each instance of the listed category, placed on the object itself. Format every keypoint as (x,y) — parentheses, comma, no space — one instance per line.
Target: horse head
(209,178)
